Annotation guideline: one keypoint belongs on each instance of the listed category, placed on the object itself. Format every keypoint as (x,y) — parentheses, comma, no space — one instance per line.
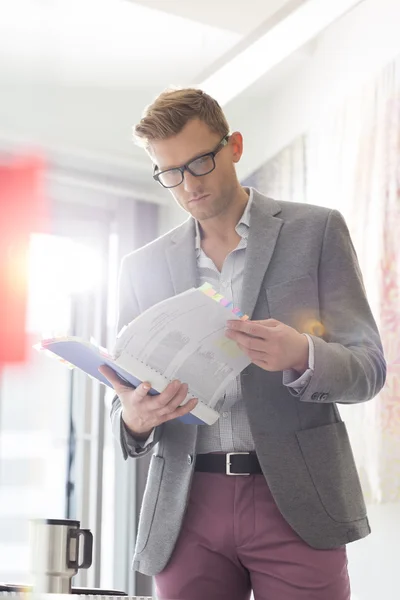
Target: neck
(222,227)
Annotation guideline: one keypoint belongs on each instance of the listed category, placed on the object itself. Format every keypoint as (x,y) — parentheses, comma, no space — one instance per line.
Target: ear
(236,142)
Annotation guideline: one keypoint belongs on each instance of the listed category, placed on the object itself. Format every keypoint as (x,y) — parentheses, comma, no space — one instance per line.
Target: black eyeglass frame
(223,142)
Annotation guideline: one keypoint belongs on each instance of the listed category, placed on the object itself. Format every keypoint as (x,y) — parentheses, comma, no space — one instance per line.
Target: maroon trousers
(234,540)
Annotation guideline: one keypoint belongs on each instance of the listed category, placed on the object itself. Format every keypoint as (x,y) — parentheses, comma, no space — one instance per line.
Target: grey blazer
(300,266)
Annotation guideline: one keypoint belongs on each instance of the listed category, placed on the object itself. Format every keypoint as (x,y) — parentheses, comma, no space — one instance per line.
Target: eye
(202,160)
(202,165)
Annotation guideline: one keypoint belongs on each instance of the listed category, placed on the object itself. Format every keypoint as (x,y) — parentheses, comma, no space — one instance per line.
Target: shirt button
(225,414)
(189,459)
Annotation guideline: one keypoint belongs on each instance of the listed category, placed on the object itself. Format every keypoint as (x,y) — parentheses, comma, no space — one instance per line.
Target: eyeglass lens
(200,166)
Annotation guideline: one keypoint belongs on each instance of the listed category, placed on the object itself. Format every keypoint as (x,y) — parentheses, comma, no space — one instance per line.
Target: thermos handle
(87,548)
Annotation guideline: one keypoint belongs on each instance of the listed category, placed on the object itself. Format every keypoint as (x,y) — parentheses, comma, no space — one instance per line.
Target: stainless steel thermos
(58,549)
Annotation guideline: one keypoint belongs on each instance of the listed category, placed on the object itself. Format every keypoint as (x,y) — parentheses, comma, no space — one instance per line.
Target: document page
(183,338)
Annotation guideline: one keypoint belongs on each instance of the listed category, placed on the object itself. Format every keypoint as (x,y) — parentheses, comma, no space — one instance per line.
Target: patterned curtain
(350,160)
(389,462)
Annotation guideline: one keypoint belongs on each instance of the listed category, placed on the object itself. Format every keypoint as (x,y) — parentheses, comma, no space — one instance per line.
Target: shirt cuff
(291,378)
(132,443)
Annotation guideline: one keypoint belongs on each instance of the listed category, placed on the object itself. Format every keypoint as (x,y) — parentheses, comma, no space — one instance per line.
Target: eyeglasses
(202,165)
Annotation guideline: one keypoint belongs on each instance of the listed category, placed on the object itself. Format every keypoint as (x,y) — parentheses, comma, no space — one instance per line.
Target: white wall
(347,54)
(309,85)
(81,119)
(374,561)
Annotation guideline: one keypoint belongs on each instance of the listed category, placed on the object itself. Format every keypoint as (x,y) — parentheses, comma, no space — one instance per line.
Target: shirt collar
(242,228)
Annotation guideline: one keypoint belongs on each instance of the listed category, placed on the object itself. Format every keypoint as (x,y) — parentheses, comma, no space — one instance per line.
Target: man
(268,497)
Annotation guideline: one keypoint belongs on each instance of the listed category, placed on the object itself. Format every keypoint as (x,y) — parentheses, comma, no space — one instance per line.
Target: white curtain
(350,161)
(353,160)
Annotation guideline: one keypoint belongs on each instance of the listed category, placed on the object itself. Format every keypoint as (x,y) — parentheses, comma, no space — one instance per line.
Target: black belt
(233,463)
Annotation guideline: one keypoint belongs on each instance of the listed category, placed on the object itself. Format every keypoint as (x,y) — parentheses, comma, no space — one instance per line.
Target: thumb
(111,375)
(120,385)
(113,378)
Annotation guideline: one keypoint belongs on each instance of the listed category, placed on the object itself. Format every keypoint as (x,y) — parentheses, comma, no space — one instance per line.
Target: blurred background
(314,87)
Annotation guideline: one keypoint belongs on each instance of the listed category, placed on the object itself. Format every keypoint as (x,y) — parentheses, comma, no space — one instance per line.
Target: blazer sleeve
(128,309)
(349,362)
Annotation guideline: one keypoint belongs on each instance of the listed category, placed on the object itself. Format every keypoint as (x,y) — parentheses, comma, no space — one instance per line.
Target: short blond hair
(173,109)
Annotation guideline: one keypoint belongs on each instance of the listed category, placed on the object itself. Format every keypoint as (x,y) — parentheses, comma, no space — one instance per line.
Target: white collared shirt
(232,431)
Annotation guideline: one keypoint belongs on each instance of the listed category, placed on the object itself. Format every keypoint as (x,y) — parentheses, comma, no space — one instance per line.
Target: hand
(270,344)
(141,412)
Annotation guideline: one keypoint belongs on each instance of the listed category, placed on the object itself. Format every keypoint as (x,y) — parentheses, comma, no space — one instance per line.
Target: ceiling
(231,15)
(67,65)
(138,44)
(105,42)
(76,74)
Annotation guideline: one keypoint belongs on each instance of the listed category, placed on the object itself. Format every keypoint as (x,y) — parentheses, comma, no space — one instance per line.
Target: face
(210,195)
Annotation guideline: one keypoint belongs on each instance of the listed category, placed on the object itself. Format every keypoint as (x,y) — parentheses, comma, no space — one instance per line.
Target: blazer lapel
(263,234)
(181,257)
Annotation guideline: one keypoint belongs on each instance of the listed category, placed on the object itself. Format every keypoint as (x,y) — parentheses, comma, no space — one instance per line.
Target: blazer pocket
(149,504)
(295,303)
(329,459)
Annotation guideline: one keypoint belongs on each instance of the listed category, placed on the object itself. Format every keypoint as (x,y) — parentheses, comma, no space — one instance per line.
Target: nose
(191,183)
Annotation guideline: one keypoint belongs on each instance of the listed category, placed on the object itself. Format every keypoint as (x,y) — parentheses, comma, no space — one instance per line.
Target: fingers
(109,374)
(145,411)
(119,384)
(181,410)
(171,404)
(260,329)
(249,328)
(268,322)
(254,355)
(168,405)
(173,395)
(113,378)
(142,390)
(246,341)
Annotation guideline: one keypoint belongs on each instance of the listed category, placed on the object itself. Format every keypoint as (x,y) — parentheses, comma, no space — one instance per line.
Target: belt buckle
(228,463)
